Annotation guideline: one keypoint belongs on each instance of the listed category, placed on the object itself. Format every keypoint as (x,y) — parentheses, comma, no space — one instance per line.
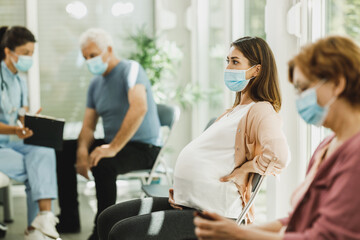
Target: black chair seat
(156,190)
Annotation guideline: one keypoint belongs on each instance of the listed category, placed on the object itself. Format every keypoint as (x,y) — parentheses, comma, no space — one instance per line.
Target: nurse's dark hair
(12,37)
(265,86)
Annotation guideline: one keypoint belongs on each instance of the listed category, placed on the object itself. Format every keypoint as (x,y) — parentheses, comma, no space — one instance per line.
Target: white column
(198,24)
(236,25)
(34,72)
(284,47)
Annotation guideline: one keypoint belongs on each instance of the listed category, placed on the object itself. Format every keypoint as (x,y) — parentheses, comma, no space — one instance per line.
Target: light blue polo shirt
(13,96)
(108,95)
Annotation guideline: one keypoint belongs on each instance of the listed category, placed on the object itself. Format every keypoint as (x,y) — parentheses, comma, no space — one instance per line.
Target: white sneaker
(45,222)
(35,235)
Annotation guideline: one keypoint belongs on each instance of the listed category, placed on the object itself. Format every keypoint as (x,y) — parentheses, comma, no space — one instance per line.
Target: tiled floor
(126,190)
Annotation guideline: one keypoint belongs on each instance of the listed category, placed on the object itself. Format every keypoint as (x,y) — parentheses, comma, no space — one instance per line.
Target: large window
(63,74)
(332,17)
(219,41)
(12,12)
(218,48)
(343,17)
(255,19)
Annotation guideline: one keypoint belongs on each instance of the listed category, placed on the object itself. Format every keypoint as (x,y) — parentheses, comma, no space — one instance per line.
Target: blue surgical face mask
(235,79)
(24,63)
(96,65)
(309,109)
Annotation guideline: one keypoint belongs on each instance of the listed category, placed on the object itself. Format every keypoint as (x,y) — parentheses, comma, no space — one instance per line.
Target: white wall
(284,47)
(181,35)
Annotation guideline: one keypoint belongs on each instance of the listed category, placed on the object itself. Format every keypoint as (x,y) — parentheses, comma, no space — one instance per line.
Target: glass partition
(63,75)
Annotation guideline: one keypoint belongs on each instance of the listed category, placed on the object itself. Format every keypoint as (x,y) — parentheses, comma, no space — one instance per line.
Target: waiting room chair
(5,198)
(256,185)
(168,116)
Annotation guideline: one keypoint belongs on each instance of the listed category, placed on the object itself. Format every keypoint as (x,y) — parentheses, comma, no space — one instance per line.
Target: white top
(204,161)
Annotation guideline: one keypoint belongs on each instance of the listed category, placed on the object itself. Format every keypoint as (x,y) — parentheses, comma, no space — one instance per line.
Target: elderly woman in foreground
(326,76)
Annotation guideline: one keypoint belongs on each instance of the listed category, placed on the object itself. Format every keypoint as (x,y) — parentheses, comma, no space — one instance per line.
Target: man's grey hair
(98,36)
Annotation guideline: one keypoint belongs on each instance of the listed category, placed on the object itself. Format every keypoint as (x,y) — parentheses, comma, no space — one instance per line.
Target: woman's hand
(38,111)
(172,201)
(240,177)
(23,132)
(218,228)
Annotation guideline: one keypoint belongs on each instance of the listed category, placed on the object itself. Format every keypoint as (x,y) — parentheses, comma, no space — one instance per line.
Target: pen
(20,125)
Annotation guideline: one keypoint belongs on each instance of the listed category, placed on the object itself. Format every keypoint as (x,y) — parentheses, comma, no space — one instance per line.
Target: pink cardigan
(261,142)
(330,208)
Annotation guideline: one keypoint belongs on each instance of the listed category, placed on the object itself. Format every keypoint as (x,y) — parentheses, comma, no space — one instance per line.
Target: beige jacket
(260,147)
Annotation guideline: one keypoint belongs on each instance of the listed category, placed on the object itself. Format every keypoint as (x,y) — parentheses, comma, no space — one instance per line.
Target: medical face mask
(235,80)
(24,63)
(96,65)
(309,109)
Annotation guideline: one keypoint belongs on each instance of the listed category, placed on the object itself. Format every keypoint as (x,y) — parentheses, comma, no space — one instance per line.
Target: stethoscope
(2,79)
(4,85)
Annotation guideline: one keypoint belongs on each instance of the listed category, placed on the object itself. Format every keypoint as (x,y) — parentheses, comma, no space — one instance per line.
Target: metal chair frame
(256,185)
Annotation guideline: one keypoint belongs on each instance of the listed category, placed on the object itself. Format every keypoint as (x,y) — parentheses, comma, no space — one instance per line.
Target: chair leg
(143,180)
(8,205)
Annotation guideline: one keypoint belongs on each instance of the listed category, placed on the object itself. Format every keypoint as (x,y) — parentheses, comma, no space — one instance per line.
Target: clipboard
(48,131)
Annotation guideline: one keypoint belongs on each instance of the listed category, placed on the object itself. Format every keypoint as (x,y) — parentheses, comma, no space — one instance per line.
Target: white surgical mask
(96,65)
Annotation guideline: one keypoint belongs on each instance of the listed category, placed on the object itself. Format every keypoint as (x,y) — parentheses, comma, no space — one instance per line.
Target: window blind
(12,12)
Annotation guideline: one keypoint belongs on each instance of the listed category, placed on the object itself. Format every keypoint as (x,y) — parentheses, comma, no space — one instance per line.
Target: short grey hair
(98,36)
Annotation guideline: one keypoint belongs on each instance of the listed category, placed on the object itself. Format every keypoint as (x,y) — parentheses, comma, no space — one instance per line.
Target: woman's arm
(274,148)
(265,129)
(225,229)
(6,129)
(21,132)
(274,226)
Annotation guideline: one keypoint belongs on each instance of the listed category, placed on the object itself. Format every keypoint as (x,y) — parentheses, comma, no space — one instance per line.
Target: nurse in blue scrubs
(33,165)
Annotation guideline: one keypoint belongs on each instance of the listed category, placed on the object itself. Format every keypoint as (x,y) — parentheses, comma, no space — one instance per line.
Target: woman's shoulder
(262,109)
(350,148)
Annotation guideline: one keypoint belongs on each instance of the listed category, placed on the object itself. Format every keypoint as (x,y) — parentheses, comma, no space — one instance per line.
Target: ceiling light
(76,9)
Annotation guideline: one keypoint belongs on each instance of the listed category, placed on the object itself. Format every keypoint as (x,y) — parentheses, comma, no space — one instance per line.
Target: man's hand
(82,162)
(172,201)
(23,132)
(218,228)
(104,151)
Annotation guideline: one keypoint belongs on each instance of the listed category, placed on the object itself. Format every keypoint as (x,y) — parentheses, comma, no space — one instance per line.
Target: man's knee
(104,169)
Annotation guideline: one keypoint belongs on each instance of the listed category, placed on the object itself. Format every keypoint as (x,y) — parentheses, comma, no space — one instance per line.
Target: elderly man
(120,93)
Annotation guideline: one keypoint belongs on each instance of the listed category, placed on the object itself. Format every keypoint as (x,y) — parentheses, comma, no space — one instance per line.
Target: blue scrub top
(13,96)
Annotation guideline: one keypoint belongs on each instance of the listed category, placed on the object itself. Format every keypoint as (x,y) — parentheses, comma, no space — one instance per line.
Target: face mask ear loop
(331,101)
(12,60)
(108,59)
(252,67)
(248,70)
